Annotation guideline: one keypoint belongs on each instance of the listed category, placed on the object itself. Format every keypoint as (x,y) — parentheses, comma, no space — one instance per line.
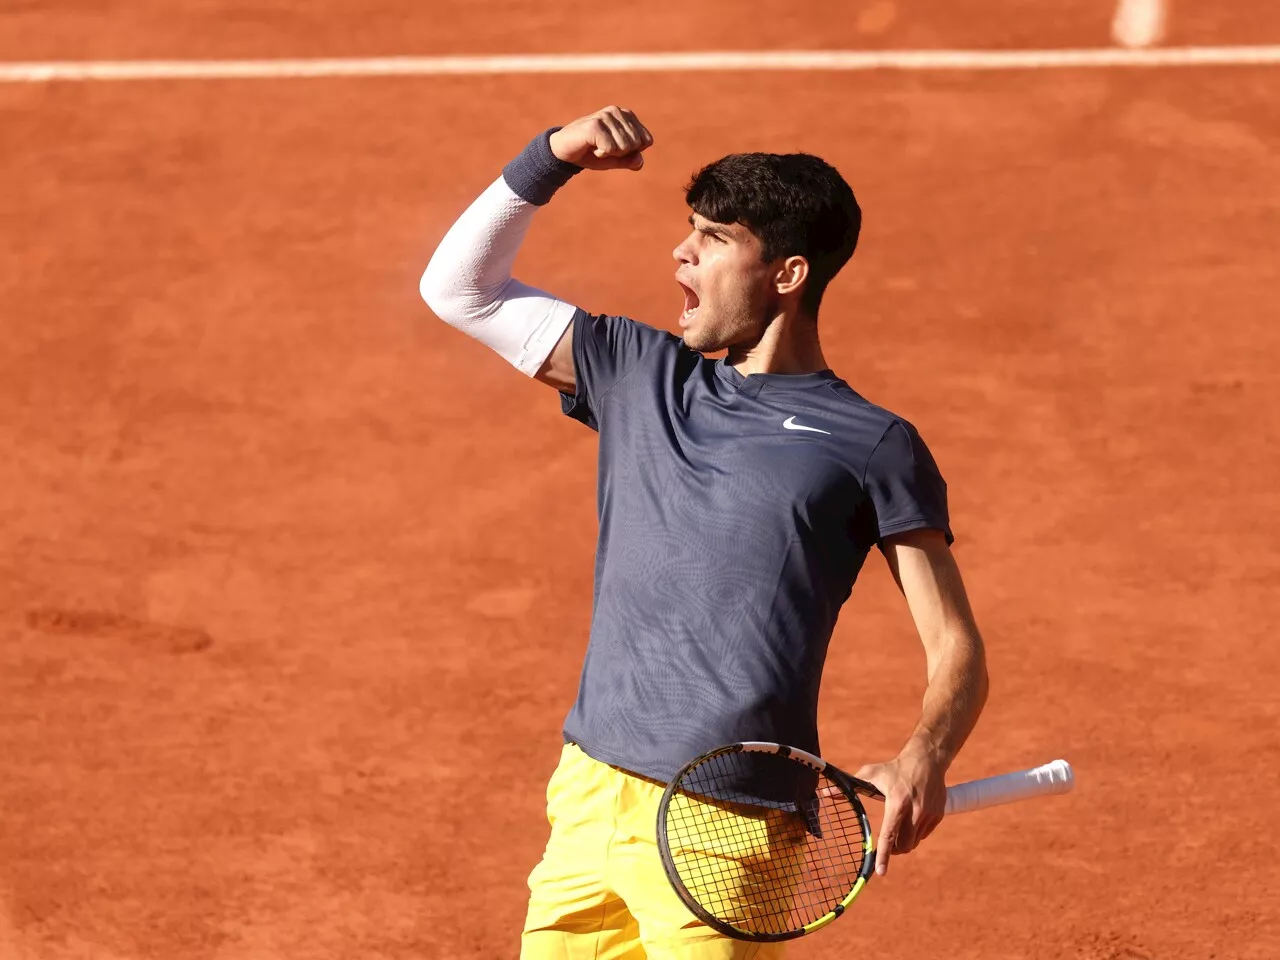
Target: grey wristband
(537,173)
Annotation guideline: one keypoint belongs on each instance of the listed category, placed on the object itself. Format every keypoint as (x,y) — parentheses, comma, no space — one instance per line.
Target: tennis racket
(766,842)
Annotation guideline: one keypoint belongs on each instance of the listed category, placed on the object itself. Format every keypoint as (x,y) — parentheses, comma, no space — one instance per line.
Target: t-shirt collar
(781,380)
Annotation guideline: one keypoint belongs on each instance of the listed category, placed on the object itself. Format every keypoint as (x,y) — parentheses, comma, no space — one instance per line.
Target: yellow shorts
(600,892)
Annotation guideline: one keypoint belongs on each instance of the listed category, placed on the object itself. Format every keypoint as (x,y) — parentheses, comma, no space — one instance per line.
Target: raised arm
(914,782)
(468,282)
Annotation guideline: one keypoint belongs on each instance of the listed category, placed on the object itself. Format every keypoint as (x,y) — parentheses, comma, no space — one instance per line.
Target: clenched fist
(609,139)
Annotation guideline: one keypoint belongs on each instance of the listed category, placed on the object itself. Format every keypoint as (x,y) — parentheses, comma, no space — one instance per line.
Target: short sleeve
(605,350)
(903,484)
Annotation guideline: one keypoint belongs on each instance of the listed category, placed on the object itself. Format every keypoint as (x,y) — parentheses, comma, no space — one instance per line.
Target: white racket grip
(1042,781)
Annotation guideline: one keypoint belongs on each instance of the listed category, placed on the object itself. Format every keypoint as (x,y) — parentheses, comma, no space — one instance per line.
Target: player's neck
(789,345)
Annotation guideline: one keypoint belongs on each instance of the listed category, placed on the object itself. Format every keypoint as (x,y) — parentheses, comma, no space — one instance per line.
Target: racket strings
(762,842)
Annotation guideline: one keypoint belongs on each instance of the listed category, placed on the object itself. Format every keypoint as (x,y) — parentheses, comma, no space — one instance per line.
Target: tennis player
(738,500)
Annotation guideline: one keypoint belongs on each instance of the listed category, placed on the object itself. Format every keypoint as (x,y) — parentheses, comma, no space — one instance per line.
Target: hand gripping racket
(766,842)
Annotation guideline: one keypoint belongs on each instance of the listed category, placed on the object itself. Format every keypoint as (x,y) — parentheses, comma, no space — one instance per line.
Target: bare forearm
(954,698)
(914,782)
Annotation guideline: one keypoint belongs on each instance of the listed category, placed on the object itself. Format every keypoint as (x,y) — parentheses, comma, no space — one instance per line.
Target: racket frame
(850,786)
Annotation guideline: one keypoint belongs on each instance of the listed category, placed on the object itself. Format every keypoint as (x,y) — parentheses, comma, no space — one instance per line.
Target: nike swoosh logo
(790,424)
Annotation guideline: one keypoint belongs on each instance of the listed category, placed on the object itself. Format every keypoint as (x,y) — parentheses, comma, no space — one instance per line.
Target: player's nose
(684,252)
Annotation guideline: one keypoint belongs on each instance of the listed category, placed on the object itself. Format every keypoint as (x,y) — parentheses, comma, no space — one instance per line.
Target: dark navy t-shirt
(735,513)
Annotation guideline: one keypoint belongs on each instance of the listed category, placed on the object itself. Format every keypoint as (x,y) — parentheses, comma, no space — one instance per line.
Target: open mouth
(690,305)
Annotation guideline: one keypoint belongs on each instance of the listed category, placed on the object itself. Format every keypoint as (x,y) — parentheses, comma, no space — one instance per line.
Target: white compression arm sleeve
(468,282)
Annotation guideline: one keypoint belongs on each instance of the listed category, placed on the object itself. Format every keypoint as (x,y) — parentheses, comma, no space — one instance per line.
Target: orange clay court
(295,580)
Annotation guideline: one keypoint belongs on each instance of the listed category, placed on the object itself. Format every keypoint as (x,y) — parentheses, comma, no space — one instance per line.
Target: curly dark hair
(796,203)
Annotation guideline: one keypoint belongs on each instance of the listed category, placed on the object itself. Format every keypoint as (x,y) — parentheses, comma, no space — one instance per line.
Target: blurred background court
(282,556)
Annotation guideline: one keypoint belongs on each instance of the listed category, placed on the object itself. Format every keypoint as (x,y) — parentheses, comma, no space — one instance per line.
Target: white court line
(638,63)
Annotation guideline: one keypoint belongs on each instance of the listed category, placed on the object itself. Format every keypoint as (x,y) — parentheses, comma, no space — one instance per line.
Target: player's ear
(791,275)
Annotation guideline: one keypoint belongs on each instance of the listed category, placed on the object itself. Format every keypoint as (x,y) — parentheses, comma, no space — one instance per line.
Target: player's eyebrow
(716,230)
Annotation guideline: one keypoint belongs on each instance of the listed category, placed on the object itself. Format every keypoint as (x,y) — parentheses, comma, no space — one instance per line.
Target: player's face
(729,291)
